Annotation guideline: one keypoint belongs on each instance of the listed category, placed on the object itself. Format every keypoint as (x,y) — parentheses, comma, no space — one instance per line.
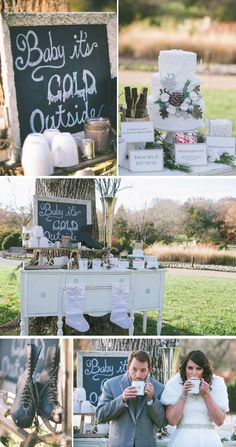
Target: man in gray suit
(132,418)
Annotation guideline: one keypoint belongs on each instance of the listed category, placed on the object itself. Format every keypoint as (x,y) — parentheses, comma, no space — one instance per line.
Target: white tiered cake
(176,103)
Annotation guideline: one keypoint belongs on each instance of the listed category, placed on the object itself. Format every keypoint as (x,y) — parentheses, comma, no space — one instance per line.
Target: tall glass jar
(98,129)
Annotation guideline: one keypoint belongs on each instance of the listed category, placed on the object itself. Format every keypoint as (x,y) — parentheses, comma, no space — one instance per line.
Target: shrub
(13,240)
(4,232)
(201,255)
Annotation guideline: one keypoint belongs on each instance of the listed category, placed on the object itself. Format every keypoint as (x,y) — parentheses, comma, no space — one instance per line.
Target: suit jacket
(126,428)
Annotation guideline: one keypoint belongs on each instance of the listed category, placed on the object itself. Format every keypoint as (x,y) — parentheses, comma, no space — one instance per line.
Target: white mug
(114,262)
(36,156)
(122,151)
(33,242)
(97,264)
(87,407)
(196,385)
(103,428)
(64,150)
(50,134)
(140,385)
(83,264)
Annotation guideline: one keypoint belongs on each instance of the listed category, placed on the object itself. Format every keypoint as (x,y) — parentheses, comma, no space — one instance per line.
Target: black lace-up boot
(49,406)
(26,400)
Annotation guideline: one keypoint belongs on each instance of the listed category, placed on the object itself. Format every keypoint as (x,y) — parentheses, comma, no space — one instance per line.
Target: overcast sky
(142,189)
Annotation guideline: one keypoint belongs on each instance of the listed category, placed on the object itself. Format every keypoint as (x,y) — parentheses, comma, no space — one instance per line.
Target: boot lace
(52,386)
(27,394)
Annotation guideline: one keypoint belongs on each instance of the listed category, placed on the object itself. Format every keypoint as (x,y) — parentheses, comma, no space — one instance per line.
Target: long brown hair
(201,360)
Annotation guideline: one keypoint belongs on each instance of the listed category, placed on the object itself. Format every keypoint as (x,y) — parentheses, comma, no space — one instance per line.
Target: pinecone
(176,99)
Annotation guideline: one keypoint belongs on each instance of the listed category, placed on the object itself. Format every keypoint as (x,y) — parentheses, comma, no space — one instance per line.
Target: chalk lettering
(62,89)
(33,56)
(62,118)
(82,48)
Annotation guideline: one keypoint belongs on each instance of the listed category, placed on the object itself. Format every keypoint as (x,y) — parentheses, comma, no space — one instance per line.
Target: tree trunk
(74,189)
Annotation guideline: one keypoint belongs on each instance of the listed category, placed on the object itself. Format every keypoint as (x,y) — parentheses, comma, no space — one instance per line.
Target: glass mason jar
(98,129)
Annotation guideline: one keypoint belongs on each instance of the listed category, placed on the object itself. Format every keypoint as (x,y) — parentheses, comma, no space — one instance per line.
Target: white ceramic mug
(38,231)
(140,385)
(50,134)
(64,150)
(83,264)
(114,262)
(103,428)
(33,242)
(97,264)
(87,407)
(195,385)
(36,156)
(122,151)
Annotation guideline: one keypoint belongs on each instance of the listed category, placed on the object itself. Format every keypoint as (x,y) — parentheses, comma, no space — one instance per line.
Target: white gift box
(191,154)
(219,128)
(216,146)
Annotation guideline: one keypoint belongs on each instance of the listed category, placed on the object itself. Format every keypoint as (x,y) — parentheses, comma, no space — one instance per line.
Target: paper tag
(191,154)
(146,160)
(139,265)
(122,264)
(135,132)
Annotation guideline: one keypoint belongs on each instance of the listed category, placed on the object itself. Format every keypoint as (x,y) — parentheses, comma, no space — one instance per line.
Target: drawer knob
(121,280)
(147,291)
(42,294)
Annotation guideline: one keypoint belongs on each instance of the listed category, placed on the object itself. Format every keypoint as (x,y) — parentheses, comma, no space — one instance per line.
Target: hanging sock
(119,305)
(75,296)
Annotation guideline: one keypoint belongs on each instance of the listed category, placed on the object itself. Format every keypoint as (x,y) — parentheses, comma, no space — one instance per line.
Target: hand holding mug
(129,393)
(204,387)
(187,387)
(149,391)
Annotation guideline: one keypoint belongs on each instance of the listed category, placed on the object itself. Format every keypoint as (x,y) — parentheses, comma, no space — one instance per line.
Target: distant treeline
(130,10)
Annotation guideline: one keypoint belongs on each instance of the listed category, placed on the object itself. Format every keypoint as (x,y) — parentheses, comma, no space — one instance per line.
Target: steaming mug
(195,385)
(140,385)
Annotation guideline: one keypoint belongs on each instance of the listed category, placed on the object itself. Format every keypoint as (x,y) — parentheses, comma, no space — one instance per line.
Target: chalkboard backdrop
(95,368)
(60,216)
(59,68)
(13,356)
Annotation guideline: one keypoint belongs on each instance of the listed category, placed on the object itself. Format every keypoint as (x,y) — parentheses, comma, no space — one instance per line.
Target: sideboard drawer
(98,289)
(148,291)
(42,293)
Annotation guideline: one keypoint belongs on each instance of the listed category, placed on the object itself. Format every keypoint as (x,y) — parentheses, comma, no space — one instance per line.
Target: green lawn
(219,103)
(192,306)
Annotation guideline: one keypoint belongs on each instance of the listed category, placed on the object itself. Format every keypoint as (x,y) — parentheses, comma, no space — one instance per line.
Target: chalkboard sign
(60,216)
(95,368)
(13,356)
(61,69)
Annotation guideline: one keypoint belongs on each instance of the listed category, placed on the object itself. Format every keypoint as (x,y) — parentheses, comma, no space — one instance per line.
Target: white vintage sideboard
(43,293)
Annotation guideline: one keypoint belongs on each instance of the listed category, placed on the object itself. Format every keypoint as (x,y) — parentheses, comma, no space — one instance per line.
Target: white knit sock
(119,305)
(75,296)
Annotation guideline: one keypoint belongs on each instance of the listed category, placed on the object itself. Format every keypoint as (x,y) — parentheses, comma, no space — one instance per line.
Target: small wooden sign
(191,154)
(146,160)
(137,131)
